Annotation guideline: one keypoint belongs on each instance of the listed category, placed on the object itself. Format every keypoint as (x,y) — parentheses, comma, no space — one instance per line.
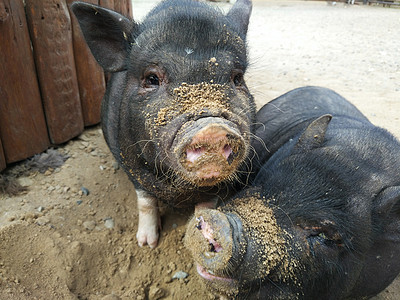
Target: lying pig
(321,219)
(177,114)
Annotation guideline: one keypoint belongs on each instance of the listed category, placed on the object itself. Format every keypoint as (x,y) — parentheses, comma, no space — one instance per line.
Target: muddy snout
(211,151)
(209,239)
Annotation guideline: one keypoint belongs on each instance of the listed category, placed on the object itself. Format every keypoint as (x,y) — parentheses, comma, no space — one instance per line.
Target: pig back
(286,116)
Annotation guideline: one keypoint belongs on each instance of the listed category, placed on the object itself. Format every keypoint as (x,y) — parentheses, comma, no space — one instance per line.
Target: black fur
(332,179)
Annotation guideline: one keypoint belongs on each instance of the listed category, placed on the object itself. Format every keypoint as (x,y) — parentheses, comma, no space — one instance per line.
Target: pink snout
(213,153)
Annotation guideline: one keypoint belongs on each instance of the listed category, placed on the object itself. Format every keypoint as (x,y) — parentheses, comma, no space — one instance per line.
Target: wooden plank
(2,157)
(107,4)
(51,34)
(22,122)
(124,7)
(89,73)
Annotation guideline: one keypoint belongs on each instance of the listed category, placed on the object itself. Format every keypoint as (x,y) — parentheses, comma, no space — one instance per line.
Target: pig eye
(152,80)
(237,77)
(323,236)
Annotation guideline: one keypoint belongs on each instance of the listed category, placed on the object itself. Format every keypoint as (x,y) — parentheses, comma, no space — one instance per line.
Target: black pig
(177,114)
(322,217)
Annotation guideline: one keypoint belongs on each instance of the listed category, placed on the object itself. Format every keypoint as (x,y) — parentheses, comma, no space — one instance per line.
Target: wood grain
(51,34)
(90,75)
(22,122)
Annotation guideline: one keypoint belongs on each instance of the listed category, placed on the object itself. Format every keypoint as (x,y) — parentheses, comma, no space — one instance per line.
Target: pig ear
(314,134)
(240,14)
(388,202)
(106,32)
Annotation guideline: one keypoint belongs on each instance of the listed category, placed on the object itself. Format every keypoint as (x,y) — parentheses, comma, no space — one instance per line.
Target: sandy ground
(58,242)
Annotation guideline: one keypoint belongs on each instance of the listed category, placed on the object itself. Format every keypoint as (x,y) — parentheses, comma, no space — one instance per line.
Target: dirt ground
(59,241)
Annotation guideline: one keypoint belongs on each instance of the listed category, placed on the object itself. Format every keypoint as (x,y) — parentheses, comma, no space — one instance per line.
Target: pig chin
(209,151)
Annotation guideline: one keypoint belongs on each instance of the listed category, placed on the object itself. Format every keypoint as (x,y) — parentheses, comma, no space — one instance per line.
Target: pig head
(177,114)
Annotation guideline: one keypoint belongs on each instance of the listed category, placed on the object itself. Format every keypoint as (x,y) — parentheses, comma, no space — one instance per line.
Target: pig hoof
(147,236)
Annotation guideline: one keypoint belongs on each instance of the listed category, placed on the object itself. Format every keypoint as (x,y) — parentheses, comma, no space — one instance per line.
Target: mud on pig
(321,219)
(177,114)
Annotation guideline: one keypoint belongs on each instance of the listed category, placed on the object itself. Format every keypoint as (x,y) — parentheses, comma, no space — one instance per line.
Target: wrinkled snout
(209,238)
(211,151)
(210,140)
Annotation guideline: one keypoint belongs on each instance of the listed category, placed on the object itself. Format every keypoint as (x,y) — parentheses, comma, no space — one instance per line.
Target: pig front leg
(149,219)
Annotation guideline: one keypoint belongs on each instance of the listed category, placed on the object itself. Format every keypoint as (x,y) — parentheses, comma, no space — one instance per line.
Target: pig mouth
(221,285)
(210,276)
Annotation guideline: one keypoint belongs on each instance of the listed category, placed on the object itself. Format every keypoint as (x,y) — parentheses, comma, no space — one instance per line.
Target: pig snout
(212,139)
(210,239)
(211,151)
(239,246)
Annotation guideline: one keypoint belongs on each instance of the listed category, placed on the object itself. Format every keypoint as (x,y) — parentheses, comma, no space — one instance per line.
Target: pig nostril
(199,225)
(212,247)
(227,150)
(230,158)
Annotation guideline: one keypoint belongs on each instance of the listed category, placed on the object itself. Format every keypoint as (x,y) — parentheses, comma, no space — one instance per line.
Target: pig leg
(149,219)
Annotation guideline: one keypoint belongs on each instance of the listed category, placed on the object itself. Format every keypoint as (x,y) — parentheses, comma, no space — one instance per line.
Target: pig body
(177,114)
(283,118)
(322,217)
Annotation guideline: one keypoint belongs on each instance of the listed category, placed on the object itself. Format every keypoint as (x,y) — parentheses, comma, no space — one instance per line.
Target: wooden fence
(50,85)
